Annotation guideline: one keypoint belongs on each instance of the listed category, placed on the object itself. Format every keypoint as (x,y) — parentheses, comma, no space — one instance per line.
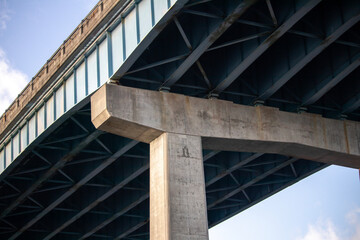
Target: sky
(324,206)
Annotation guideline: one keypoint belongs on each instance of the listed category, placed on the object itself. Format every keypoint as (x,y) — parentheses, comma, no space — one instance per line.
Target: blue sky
(326,205)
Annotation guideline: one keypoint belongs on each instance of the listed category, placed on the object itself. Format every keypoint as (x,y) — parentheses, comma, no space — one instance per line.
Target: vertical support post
(54,106)
(86,77)
(36,124)
(109,54)
(28,131)
(75,87)
(177,188)
(123,38)
(64,95)
(19,140)
(4,158)
(98,65)
(137,22)
(152,13)
(45,118)
(12,149)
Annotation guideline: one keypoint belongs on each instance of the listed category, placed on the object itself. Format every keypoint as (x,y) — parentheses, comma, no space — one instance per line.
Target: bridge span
(158,119)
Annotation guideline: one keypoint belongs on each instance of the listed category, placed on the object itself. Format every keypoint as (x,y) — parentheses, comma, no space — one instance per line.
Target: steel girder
(266,44)
(75,183)
(278,53)
(102,192)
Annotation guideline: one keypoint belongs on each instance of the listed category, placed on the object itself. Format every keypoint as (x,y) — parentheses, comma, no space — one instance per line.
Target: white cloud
(4,14)
(12,82)
(326,230)
(320,231)
(353,218)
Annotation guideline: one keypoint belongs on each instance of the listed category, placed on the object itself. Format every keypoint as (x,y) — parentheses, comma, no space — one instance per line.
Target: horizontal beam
(225,126)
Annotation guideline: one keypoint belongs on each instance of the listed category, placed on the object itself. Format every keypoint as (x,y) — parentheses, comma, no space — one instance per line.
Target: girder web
(203,53)
(106,183)
(47,160)
(92,185)
(80,183)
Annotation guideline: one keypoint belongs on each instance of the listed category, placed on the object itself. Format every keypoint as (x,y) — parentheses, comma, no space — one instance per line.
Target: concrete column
(177,188)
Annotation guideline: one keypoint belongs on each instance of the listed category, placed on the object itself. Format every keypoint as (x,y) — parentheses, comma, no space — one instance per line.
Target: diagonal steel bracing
(272,13)
(158,63)
(233,168)
(209,155)
(93,230)
(106,195)
(145,43)
(326,85)
(188,44)
(133,229)
(251,182)
(123,211)
(252,202)
(75,187)
(218,30)
(265,45)
(240,40)
(268,91)
(49,173)
(352,104)
(183,56)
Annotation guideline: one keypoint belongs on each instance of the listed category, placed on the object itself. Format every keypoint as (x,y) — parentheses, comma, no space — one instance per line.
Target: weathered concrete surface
(144,115)
(177,189)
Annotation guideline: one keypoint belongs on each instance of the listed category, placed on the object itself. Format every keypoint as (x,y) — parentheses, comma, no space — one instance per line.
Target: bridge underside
(76,182)
(305,58)
(96,184)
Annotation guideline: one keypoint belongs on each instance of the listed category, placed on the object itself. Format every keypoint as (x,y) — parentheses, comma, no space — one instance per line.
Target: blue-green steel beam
(268,89)
(265,45)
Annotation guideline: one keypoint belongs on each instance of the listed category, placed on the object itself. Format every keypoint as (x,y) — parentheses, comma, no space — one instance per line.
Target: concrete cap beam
(144,115)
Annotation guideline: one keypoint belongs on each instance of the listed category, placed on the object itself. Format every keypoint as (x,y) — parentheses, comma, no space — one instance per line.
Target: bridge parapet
(56,63)
(109,40)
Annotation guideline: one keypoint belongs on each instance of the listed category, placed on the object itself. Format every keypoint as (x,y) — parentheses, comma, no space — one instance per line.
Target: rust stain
(259,122)
(346,138)
(324,132)
(231,19)
(273,37)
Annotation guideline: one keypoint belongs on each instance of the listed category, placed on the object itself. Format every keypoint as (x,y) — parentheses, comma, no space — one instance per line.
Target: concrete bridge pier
(178,127)
(177,188)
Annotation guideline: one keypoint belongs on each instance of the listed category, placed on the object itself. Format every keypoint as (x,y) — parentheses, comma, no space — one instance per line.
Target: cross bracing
(105,185)
(67,180)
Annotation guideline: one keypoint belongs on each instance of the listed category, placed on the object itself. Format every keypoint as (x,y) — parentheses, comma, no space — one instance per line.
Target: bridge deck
(63,179)
(89,183)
